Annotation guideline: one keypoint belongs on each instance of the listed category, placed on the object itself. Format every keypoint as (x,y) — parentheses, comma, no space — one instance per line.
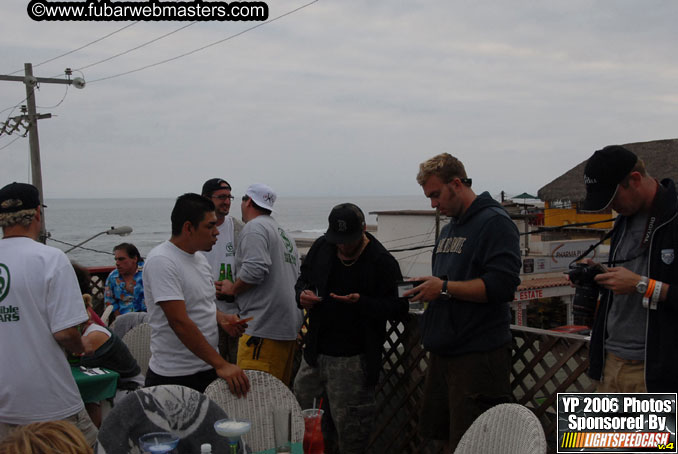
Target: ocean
(71,221)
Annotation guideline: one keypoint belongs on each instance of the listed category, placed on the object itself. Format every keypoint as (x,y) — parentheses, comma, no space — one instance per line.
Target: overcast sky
(345,97)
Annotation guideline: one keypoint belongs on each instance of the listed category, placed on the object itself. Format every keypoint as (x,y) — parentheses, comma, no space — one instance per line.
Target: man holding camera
(634,333)
(476,264)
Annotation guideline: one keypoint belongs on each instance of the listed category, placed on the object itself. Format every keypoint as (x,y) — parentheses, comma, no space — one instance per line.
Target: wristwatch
(641,286)
(443,291)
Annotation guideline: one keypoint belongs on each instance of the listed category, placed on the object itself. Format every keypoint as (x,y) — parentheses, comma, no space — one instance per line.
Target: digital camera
(582,275)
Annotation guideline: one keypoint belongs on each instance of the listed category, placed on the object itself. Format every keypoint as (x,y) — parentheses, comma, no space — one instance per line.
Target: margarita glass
(158,442)
(233,430)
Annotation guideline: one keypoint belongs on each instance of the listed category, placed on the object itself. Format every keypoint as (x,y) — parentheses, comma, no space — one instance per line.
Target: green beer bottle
(222,272)
(229,276)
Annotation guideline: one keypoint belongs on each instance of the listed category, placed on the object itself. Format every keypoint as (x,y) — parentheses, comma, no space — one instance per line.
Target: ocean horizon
(70,221)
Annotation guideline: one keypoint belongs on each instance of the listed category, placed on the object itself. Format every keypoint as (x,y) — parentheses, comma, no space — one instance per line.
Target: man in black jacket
(634,335)
(348,286)
(466,326)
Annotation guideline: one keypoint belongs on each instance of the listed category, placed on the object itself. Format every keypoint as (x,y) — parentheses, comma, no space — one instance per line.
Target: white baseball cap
(262,195)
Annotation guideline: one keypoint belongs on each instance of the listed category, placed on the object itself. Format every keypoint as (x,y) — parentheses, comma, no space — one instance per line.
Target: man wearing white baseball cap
(268,266)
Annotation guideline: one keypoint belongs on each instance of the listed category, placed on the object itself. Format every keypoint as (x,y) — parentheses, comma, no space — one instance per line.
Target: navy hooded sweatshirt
(483,243)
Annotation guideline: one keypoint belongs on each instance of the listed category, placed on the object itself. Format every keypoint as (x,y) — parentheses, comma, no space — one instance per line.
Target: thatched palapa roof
(660,157)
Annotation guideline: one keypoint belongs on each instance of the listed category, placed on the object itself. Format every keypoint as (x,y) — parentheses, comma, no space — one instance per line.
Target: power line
(408,237)
(13,107)
(81,47)
(5,146)
(137,47)
(206,46)
(81,247)
(59,103)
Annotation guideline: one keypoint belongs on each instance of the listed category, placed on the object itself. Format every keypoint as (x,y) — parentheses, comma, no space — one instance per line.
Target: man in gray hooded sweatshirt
(476,264)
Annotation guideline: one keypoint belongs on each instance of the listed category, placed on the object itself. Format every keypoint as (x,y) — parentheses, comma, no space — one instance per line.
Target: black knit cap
(346,224)
(18,196)
(604,171)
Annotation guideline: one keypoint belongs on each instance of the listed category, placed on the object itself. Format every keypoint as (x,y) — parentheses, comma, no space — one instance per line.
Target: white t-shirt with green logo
(172,274)
(223,252)
(39,296)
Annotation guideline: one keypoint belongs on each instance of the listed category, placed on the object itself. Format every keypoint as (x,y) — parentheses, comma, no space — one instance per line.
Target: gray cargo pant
(349,403)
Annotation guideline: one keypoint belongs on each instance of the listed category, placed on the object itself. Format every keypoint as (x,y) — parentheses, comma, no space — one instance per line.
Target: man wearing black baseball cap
(635,327)
(222,256)
(348,286)
(40,310)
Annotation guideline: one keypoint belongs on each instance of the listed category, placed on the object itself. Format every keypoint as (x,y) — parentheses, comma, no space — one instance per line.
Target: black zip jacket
(661,336)
(378,302)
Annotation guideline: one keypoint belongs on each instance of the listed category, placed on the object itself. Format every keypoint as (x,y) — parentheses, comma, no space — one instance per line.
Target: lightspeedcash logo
(151,10)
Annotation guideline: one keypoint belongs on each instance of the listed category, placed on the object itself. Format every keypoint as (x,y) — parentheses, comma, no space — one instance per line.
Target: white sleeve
(65,307)
(162,279)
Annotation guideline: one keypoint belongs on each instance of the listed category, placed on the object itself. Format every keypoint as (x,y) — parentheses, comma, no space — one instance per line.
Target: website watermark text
(152,10)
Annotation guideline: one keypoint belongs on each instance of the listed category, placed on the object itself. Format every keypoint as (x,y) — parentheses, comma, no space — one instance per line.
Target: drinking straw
(315,427)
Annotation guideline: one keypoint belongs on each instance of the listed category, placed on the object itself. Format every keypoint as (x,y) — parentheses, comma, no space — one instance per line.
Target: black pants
(198,381)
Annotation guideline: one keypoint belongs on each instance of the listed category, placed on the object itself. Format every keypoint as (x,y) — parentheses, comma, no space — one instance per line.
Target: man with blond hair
(40,310)
(476,264)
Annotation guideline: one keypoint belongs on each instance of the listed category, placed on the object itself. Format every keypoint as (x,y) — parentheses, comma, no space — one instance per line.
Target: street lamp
(122,230)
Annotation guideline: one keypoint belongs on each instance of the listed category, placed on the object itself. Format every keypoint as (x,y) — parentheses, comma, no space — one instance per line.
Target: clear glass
(158,442)
(233,430)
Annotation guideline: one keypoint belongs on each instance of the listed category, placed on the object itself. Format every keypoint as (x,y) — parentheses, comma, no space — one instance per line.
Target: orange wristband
(650,288)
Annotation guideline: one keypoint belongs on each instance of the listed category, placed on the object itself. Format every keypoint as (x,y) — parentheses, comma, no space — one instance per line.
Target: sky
(343,97)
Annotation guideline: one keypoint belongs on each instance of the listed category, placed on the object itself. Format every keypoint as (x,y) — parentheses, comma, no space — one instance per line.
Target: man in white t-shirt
(180,296)
(222,256)
(40,310)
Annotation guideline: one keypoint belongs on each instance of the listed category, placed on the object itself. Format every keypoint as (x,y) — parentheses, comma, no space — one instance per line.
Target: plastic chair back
(266,393)
(502,429)
(138,341)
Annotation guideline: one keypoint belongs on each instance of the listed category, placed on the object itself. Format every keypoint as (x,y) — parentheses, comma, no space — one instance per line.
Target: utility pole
(31,82)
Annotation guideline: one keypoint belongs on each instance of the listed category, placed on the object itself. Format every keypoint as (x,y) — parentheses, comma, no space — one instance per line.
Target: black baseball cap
(347,222)
(604,171)
(18,196)
(213,185)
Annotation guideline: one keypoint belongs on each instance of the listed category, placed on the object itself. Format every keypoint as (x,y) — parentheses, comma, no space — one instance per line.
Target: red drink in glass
(313,435)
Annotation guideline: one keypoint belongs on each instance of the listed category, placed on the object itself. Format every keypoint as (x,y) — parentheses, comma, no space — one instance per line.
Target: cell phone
(404,286)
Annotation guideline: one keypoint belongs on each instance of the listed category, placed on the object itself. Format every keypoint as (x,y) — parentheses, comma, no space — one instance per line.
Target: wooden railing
(99,275)
(544,363)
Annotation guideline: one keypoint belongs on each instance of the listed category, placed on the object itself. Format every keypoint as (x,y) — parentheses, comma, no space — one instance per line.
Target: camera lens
(584,305)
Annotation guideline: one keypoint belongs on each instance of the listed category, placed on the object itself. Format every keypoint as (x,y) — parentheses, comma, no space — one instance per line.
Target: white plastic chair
(106,314)
(138,341)
(266,393)
(502,429)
